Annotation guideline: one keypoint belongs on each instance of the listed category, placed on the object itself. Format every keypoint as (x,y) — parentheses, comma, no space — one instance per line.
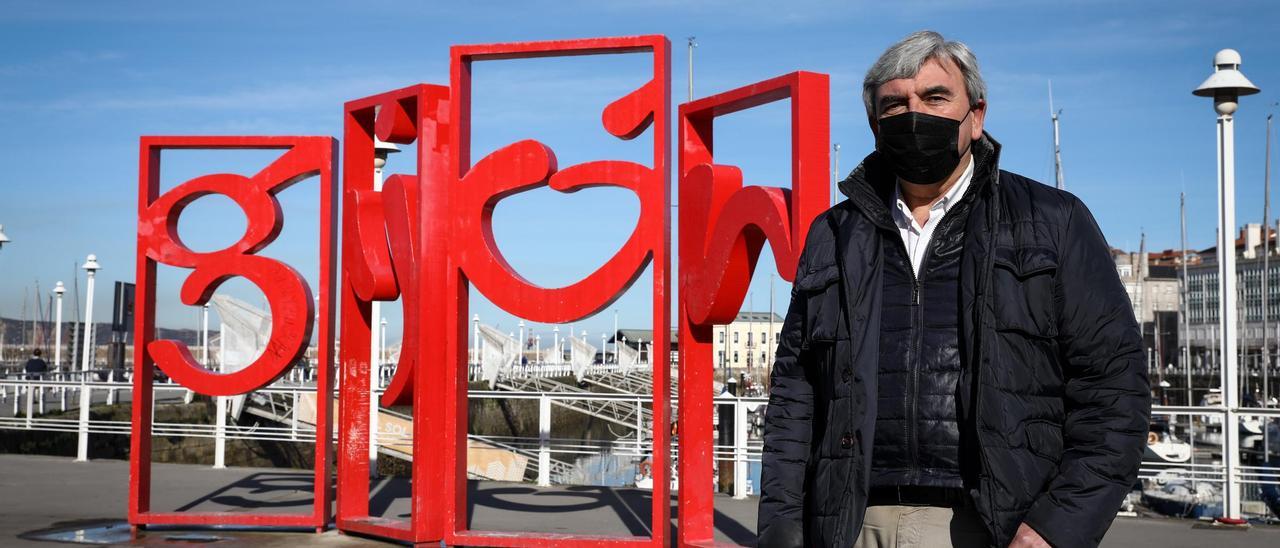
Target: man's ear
(979,120)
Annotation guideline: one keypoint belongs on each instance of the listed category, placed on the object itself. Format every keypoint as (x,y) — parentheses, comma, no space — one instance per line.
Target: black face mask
(919,147)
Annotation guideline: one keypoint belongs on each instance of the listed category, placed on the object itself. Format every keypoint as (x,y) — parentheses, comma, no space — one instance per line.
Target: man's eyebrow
(938,90)
(892,98)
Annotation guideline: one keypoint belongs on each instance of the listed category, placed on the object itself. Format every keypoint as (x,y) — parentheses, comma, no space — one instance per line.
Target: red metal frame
(382,254)
(473,257)
(723,227)
(290,298)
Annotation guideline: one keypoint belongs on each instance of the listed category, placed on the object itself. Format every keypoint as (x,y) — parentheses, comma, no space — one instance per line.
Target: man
(36,367)
(960,364)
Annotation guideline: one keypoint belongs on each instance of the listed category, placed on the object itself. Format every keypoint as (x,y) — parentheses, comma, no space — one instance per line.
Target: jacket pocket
(1022,288)
(1044,439)
(820,289)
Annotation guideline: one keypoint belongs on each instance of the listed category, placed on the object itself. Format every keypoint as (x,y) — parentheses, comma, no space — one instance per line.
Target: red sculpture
(723,226)
(290,298)
(426,237)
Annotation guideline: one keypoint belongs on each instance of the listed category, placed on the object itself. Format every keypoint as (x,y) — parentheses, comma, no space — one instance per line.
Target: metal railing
(1208,460)
(550,457)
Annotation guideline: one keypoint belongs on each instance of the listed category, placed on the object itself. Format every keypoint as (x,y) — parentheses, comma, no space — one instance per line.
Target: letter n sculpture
(723,227)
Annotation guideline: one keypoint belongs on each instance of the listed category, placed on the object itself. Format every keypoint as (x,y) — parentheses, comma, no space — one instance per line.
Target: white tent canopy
(499,352)
(245,331)
(581,355)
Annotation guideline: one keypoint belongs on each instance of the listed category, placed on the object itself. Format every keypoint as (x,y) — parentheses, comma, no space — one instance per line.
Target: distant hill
(13,333)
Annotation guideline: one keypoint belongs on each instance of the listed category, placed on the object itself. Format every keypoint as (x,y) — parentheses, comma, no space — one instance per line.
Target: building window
(735,356)
(735,341)
(722,337)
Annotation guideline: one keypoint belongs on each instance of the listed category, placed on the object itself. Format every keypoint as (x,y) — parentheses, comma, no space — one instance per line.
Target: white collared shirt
(917,237)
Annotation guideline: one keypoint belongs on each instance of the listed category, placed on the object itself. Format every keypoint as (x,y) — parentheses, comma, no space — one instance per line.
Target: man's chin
(938,182)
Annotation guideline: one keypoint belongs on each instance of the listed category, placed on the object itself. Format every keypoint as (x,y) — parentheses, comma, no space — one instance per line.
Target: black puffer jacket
(1053,394)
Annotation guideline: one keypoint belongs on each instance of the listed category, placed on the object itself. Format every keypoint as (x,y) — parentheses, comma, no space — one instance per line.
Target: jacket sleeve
(1107,397)
(788,427)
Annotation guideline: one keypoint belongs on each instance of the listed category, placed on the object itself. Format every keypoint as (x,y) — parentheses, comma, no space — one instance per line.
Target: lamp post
(382,342)
(693,43)
(520,345)
(381,150)
(1226,85)
(204,335)
(90,267)
(58,290)
(835,182)
(3,240)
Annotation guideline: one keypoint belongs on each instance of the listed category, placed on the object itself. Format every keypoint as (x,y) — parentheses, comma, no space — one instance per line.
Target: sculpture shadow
(542,508)
(270,490)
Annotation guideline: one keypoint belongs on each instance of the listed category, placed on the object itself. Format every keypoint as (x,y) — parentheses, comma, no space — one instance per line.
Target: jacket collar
(870,186)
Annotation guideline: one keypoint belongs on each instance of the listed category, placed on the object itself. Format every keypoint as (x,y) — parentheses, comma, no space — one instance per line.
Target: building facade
(1203,296)
(748,343)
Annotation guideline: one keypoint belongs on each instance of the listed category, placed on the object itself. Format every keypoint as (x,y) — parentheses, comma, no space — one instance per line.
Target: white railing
(1202,428)
(28,399)
(280,404)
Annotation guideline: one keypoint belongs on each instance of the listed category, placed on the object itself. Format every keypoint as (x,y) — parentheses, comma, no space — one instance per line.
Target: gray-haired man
(960,364)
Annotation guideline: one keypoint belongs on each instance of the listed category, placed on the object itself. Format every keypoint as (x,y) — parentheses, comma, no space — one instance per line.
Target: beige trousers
(889,526)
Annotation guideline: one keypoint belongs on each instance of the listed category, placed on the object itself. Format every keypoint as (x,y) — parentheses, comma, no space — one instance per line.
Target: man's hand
(1028,538)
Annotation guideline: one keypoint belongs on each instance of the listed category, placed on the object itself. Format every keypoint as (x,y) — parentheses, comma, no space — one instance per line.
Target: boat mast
(1266,264)
(1186,322)
(1057,147)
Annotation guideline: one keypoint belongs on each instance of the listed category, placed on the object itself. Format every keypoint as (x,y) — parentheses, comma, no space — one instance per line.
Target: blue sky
(81,81)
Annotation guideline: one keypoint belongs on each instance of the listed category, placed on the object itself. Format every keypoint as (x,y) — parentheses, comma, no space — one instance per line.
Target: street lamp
(382,342)
(204,335)
(520,344)
(381,150)
(475,338)
(58,290)
(90,266)
(835,182)
(1226,85)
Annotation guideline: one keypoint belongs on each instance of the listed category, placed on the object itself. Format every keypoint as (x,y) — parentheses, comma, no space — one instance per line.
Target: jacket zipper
(917,333)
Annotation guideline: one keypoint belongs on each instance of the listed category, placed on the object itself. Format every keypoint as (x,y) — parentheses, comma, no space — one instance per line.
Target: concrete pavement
(40,492)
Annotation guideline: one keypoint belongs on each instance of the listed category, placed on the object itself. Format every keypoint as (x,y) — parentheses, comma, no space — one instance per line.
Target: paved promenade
(38,493)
